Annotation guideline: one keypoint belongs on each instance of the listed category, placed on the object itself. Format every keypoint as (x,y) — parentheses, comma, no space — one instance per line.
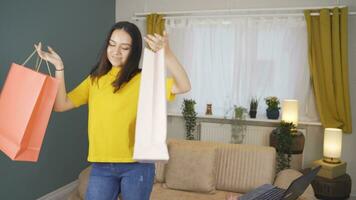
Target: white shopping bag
(151,122)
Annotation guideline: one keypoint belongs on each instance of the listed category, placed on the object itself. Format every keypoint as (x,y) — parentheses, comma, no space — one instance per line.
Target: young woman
(111,91)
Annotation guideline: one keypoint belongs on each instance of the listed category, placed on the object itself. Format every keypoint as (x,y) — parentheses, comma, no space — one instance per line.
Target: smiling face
(119,47)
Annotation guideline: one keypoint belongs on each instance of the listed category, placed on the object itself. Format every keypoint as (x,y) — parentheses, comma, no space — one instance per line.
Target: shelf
(258,119)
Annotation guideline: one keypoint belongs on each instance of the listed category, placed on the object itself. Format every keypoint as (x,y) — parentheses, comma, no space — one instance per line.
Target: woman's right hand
(51,56)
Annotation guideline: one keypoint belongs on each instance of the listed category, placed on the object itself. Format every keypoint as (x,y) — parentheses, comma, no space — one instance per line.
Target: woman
(111,92)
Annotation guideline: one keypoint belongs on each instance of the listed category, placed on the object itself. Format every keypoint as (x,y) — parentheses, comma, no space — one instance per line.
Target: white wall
(126,8)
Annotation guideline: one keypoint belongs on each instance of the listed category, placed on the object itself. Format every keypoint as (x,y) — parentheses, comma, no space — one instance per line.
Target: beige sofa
(210,171)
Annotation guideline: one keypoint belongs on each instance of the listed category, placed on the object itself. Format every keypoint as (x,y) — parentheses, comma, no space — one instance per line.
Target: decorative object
(286,138)
(238,129)
(240,112)
(332,145)
(290,111)
(273,107)
(290,115)
(287,141)
(253,107)
(209,110)
(281,139)
(189,116)
(332,181)
(331,165)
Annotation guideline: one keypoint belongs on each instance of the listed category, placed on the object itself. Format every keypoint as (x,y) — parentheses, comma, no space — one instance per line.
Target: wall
(76,30)
(125,10)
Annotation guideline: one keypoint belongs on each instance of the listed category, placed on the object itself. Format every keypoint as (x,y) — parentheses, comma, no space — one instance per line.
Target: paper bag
(26,102)
(151,122)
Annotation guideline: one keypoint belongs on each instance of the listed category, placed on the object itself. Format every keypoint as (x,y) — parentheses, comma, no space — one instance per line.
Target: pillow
(191,168)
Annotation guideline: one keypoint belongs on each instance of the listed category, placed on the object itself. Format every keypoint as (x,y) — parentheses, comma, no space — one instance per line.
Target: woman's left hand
(156,42)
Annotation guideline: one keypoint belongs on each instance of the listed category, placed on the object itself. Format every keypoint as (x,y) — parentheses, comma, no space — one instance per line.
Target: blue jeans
(133,181)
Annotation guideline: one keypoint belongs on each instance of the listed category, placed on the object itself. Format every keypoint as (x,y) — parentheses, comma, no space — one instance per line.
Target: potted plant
(238,129)
(189,115)
(287,141)
(273,107)
(281,139)
(253,107)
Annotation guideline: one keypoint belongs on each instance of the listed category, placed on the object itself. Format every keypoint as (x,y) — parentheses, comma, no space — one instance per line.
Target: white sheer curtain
(231,60)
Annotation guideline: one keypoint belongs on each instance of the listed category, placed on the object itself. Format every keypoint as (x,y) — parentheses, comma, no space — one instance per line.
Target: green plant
(253,103)
(238,129)
(239,112)
(272,103)
(283,135)
(189,116)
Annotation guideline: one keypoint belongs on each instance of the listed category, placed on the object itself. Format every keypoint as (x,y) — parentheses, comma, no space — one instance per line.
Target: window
(229,61)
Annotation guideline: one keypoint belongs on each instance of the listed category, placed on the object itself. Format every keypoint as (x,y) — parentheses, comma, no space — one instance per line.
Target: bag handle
(38,64)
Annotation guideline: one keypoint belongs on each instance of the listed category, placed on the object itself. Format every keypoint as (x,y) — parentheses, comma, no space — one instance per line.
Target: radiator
(258,135)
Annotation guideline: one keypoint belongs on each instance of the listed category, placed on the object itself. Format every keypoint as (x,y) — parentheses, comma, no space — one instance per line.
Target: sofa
(200,170)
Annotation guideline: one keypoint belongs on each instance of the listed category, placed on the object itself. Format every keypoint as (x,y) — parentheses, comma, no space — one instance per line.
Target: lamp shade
(290,111)
(332,143)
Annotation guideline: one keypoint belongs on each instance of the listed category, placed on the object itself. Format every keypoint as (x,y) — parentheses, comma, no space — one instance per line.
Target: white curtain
(229,61)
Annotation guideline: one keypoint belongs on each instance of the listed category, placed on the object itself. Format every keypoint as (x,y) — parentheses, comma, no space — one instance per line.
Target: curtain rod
(231,16)
(237,10)
(215,13)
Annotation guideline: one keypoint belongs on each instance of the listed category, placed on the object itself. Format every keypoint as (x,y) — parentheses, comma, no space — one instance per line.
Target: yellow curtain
(155,24)
(328,60)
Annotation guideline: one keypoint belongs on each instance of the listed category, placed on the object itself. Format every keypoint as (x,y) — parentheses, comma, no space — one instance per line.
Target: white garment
(151,122)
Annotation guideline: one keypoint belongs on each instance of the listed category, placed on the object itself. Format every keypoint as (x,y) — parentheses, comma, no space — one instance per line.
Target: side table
(331,189)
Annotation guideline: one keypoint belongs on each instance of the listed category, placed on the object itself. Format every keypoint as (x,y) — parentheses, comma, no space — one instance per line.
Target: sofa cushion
(161,193)
(241,168)
(191,168)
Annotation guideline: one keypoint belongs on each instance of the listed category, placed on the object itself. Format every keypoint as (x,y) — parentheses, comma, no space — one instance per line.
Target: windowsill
(257,119)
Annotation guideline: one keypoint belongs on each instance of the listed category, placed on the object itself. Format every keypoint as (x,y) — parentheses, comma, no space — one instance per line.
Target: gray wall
(76,29)
(125,9)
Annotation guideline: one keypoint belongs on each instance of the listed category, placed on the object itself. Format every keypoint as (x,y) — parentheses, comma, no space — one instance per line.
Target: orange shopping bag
(26,102)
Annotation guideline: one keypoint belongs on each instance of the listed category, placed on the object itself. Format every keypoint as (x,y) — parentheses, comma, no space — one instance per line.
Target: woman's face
(119,47)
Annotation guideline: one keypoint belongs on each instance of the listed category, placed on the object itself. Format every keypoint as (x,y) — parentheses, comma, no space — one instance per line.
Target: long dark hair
(130,67)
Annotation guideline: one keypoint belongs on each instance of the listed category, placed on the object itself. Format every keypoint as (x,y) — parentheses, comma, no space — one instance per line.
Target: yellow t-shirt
(112,116)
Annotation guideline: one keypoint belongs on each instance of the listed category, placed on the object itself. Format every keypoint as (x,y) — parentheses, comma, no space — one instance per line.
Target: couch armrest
(80,190)
(285,178)
(74,195)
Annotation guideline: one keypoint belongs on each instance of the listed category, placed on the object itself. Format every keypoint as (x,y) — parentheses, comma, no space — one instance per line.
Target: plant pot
(297,142)
(253,113)
(272,113)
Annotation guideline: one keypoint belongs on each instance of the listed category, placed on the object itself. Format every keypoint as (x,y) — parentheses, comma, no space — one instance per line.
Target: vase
(297,146)
(272,113)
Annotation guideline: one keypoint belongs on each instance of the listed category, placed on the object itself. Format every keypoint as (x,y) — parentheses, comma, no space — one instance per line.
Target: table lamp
(332,145)
(332,166)
(290,111)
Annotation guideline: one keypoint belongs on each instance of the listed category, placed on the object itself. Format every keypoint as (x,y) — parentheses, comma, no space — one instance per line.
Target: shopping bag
(26,102)
(151,122)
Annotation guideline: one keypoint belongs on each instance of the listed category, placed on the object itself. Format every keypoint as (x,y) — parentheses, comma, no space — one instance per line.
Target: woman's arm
(181,80)
(62,103)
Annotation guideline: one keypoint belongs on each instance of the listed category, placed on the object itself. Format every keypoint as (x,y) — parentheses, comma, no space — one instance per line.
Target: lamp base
(330,170)
(331,160)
